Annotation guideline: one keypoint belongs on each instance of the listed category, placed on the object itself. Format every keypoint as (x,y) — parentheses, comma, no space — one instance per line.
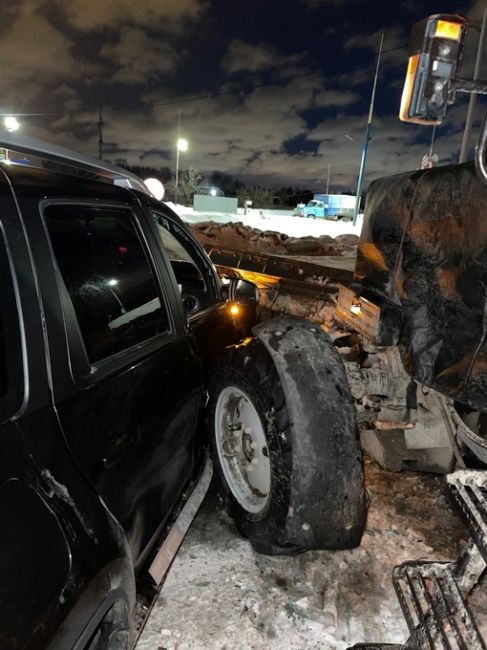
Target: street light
(181,145)
(349,137)
(11,123)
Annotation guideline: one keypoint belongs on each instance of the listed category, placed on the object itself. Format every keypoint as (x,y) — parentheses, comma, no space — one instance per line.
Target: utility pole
(176,183)
(367,135)
(473,96)
(328,179)
(100,132)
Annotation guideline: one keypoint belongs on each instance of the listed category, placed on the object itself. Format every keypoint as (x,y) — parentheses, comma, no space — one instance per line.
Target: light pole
(181,145)
(367,136)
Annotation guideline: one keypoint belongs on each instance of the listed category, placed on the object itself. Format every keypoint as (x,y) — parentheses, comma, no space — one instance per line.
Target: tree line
(191,180)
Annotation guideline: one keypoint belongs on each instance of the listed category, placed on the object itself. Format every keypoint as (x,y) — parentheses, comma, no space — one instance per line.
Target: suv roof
(48,156)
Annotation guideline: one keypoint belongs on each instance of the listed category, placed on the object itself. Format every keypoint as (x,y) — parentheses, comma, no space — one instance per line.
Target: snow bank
(240,237)
(277,220)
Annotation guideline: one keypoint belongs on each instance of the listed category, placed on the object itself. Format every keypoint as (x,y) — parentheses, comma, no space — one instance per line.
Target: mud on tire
(291,378)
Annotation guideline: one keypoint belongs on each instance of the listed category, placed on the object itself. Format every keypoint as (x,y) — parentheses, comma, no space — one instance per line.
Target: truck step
(434,608)
(469,487)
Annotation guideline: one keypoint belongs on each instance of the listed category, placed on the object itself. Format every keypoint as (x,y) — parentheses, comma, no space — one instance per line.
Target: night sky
(276,85)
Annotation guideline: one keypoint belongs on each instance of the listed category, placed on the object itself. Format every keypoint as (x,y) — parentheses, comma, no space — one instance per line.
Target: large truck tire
(285,441)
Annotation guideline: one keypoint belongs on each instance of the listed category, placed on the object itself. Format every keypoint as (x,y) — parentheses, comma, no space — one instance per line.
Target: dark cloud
(88,15)
(250,57)
(137,55)
(277,91)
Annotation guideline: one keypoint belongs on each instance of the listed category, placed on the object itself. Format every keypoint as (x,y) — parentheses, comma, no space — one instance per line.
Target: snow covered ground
(275,220)
(221,595)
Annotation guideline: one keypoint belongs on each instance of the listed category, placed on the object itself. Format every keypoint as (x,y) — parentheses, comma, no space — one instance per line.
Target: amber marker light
(234,310)
(407,94)
(408,87)
(446,29)
(356,308)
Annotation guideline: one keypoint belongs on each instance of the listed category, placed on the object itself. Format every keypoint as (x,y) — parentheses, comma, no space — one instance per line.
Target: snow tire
(295,380)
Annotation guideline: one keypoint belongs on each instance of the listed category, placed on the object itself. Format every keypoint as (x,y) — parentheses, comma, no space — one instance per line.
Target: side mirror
(243,305)
(436,50)
(243,291)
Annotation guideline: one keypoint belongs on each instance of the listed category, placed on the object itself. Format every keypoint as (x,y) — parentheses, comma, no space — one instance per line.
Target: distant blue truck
(328,206)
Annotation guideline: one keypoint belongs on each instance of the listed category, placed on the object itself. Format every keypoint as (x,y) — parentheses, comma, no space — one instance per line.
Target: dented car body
(101,388)
(125,362)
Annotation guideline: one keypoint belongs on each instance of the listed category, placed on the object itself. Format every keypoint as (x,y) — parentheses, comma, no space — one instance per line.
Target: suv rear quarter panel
(58,544)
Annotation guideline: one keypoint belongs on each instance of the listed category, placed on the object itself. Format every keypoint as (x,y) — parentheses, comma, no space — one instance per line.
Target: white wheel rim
(242,449)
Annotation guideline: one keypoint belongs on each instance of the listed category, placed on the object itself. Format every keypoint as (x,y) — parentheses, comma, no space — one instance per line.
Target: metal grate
(434,608)
(469,487)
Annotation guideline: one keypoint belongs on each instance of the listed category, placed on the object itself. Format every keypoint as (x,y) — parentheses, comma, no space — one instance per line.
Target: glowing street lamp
(181,145)
(11,123)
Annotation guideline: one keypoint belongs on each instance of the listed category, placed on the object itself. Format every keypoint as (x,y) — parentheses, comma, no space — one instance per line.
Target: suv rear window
(11,383)
(108,276)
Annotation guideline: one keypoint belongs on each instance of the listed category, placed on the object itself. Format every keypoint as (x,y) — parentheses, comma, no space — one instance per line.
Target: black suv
(123,361)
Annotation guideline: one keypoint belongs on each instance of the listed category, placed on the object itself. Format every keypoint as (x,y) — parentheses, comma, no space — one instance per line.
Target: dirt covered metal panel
(424,248)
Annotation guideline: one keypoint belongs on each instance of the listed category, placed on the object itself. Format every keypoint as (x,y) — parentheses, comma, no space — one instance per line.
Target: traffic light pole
(473,97)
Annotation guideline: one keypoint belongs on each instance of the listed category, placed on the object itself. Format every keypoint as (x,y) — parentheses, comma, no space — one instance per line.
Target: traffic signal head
(436,50)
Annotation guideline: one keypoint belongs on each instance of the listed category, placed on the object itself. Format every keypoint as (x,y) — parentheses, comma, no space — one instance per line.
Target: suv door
(199,288)
(130,414)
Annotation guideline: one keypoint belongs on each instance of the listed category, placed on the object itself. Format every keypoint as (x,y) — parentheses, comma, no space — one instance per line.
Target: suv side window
(194,277)
(11,375)
(108,276)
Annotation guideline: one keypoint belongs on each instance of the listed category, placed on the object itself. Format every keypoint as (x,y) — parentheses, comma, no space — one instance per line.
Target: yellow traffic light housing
(436,51)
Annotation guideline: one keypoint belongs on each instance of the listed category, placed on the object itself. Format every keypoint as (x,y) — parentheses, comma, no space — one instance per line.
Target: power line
(234,91)
(180,101)
(221,93)
(394,49)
